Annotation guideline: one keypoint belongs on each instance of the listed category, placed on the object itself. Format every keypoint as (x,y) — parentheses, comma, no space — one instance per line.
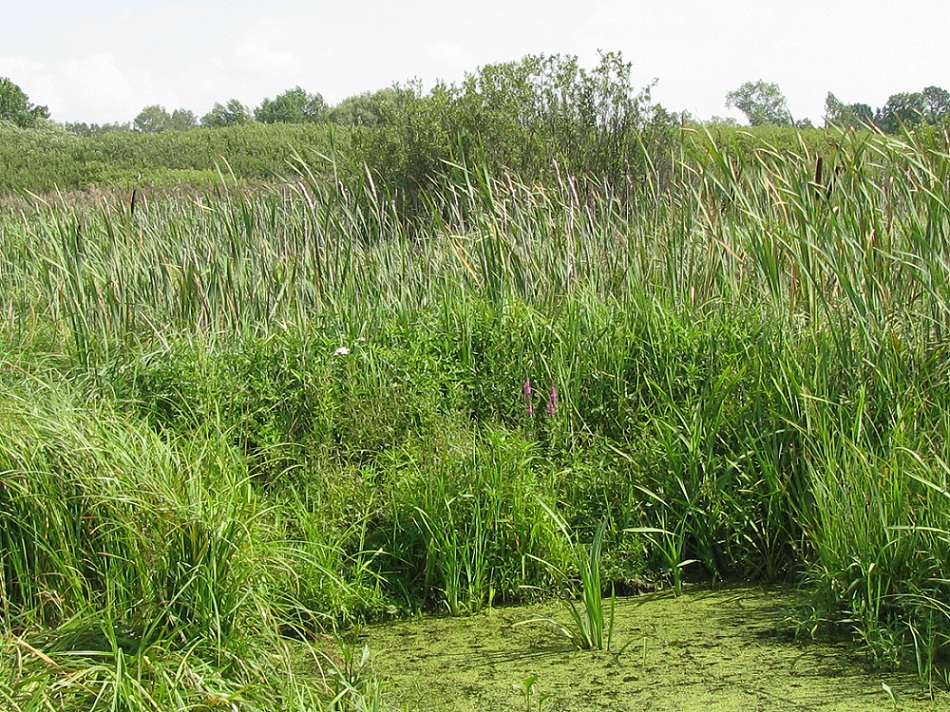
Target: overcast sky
(103,61)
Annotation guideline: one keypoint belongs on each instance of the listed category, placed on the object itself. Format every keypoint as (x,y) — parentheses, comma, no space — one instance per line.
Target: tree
(294,106)
(152,119)
(930,106)
(937,105)
(837,113)
(542,107)
(370,108)
(155,119)
(234,113)
(15,106)
(903,109)
(761,102)
(182,120)
(359,110)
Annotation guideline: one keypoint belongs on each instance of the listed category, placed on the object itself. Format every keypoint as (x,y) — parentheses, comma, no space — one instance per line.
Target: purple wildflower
(552,400)
(527,396)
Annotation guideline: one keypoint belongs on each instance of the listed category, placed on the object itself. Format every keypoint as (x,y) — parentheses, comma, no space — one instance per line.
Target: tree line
(294,106)
(763,103)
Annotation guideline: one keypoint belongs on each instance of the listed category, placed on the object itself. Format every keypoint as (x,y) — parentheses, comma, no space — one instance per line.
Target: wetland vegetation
(440,366)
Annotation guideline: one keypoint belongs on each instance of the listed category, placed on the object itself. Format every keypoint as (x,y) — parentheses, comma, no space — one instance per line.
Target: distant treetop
(15,106)
(294,106)
(930,106)
(761,102)
(234,113)
(155,119)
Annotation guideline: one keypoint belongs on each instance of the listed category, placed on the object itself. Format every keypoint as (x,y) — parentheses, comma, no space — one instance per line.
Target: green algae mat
(712,650)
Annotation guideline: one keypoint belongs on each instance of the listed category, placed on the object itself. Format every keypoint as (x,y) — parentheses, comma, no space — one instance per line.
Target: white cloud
(95,87)
(265,53)
(90,88)
(19,67)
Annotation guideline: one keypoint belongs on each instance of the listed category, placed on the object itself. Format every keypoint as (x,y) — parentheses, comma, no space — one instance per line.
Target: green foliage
(241,413)
(903,109)
(937,105)
(234,113)
(722,122)
(40,158)
(371,108)
(550,108)
(155,119)
(844,115)
(542,118)
(152,119)
(591,630)
(47,159)
(83,129)
(125,576)
(182,119)
(907,110)
(294,106)
(762,103)
(15,106)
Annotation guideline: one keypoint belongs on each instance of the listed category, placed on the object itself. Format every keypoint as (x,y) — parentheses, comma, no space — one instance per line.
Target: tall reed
(748,356)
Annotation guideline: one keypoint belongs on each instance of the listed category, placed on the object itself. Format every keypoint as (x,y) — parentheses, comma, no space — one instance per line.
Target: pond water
(713,650)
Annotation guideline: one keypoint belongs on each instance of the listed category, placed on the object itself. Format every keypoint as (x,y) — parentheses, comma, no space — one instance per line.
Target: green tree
(549,108)
(905,108)
(837,113)
(370,108)
(937,105)
(537,117)
(155,119)
(234,113)
(761,102)
(294,106)
(15,106)
(722,121)
(182,119)
(152,119)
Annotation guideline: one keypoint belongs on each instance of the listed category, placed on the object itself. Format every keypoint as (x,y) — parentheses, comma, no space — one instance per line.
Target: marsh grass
(590,629)
(456,554)
(350,679)
(137,573)
(751,369)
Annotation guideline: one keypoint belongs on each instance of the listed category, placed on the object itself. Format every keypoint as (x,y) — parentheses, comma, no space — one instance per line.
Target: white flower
(342,351)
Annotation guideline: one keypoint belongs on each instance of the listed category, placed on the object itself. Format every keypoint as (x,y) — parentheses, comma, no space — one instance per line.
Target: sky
(103,61)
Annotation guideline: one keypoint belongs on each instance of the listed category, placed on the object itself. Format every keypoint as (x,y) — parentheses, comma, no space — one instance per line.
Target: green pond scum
(731,649)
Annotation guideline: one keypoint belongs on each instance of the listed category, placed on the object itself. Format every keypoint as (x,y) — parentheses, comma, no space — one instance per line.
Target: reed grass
(236,416)
(590,629)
